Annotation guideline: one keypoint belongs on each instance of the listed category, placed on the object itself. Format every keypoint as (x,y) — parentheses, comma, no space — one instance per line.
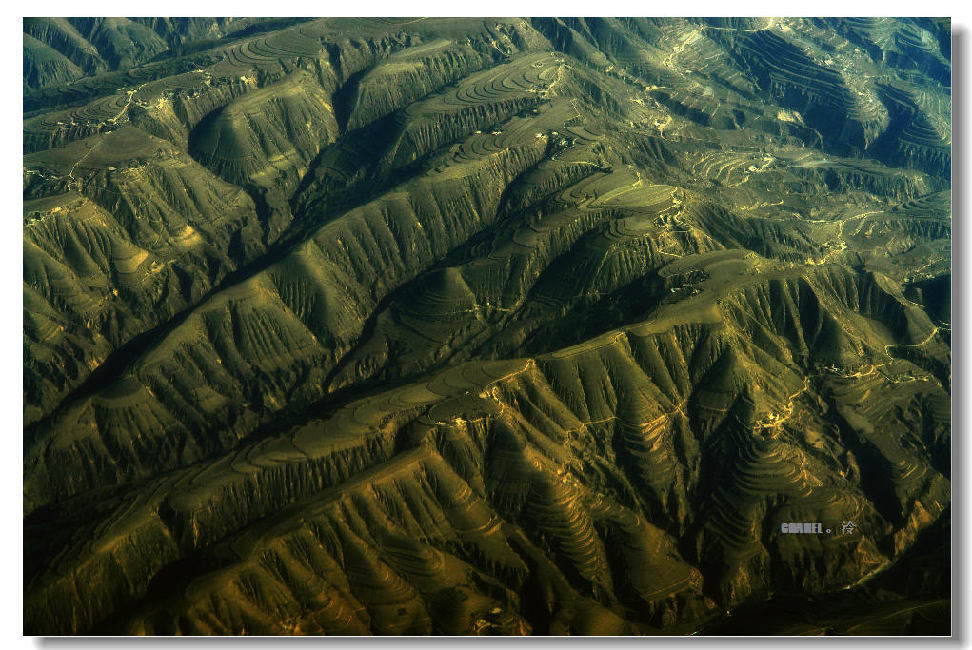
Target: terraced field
(486,326)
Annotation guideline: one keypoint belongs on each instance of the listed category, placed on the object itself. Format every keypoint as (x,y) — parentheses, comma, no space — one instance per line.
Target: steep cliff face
(485,326)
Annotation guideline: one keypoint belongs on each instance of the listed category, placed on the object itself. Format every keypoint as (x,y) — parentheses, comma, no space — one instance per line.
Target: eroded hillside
(486,326)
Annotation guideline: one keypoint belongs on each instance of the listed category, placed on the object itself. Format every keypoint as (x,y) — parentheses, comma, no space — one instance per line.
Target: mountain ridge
(485,326)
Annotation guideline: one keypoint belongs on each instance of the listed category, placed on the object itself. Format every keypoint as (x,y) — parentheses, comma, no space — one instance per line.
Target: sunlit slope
(485,326)
(692,427)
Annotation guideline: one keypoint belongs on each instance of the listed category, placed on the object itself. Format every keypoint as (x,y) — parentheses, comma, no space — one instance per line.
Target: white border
(11,273)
